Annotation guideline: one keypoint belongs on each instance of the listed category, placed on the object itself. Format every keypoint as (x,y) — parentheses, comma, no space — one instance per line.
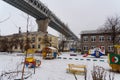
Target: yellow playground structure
(114,59)
(30,61)
(49,53)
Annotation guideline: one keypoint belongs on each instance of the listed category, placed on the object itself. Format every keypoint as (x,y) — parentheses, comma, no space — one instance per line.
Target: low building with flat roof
(95,38)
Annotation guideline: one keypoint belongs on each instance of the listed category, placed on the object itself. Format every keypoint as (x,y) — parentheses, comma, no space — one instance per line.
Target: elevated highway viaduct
(44,16)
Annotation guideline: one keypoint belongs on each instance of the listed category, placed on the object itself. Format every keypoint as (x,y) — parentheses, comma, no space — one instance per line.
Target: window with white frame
(109,38)
(85,38)
(85,48)
(93,38)
(92,47)
(101,38)
(33,39)
(110,48)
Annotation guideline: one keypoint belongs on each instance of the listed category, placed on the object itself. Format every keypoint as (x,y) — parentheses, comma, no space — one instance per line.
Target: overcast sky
(78,14)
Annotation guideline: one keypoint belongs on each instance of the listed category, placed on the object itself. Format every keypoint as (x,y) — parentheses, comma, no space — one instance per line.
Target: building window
(119,38)
(39,39)
(92,47)
(33,39)
(16,47)
(101,38)
(39,46)
(93,38)
(85,48)
(33,46)
(110,48)
(109,38)
(85,38)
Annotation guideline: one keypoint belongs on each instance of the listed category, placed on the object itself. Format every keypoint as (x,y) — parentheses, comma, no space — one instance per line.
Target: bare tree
(62,45)
(18,40)
(10,44)
(112,25)
(4,44)
(27,46)
(99,73)
(21,43)
(46,40)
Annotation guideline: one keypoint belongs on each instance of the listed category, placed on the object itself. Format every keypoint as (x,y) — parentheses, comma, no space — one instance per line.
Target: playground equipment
(49,53)
(73,54)
(114,59)
(97,52)
(30,61)
(76,69)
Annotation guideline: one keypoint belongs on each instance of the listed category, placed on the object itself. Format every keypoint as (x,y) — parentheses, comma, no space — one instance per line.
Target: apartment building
(95,38)
(36,41)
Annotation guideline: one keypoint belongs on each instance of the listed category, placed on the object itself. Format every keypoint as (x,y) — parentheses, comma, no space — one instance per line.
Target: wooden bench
(76,69)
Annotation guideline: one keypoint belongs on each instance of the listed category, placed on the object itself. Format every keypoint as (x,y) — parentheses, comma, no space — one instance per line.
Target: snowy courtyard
(54,69)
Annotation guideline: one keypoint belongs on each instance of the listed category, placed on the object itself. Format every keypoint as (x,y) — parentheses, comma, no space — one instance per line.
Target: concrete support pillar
(43,24)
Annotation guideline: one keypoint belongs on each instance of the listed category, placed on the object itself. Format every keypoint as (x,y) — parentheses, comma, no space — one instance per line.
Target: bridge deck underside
(32,10)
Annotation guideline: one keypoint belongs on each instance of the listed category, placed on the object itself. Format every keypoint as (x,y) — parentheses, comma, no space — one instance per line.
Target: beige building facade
(36,40)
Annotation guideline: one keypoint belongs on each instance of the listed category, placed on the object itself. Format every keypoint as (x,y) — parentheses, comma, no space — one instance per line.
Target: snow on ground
(53,69)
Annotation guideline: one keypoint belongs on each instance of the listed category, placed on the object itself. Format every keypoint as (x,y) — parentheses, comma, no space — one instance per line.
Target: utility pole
(26,48)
